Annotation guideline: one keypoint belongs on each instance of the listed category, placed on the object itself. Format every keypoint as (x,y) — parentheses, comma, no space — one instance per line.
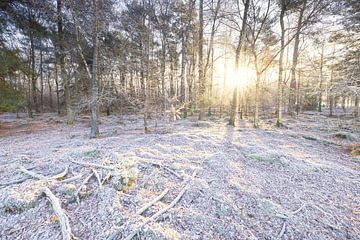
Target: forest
(179,119)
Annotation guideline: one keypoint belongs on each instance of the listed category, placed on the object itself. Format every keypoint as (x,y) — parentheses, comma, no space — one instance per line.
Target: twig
(41,177)
(14,181)
(81,186)
(72,178)
(298,210)
(282,231)
(162,211)
(63,219)
(61,175)
(148,205)
(32,174)
(93,165)
(159,165)
(106,178)
(97,177)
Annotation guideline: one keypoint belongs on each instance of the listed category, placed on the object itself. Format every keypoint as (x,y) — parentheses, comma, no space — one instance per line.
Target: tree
(201,66)
(95,98)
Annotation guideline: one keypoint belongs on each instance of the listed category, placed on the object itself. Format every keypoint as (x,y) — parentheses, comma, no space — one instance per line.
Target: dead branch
(61,175)
(90,165)
(282,231)
(14,181)
(159,165)
(72,179)
(155,200)
(162,211)
(298,210)
(82,185)
(41,177)
(63,219)
(107,177)
(97,177)
(32,174)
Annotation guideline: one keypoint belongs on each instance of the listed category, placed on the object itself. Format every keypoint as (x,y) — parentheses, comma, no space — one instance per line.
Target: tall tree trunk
(182,70)
(50,90)
(280,78)
(356,107)
(57,88)
(292,96)
(69,111)
(172,70)
(41,82)
(32,59)
(201,76)
(321,77)
(95,98)
(237,60)
(223,89)
(162,69)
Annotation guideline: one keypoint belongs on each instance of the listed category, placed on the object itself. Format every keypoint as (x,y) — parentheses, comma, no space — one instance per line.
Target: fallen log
(148,205)
(63,218)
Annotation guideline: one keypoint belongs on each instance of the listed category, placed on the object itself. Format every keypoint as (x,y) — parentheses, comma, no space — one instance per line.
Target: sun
(240,78)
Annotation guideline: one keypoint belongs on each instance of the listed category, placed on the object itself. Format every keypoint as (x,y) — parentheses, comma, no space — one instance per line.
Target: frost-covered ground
(296,182)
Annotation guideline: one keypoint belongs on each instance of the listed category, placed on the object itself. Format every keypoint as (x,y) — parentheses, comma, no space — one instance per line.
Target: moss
(92,153)
(267,156)
(345,135)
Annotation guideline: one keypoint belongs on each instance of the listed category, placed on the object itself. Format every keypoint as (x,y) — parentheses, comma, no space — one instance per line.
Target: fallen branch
(72,179)
(159,165)
(148,205)
(282,231)
(107,177)
(298,210)
(81,186)
(90,165)
(41,177)
(14,181)
(32,174)
(61,175)
(162,211)
(63,219)
(97,177)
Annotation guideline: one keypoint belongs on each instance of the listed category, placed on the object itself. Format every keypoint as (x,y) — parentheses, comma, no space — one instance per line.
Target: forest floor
(294,182)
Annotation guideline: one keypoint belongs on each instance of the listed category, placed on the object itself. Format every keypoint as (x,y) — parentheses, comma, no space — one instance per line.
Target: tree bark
(201,76)
(95,98)
(292,100)
(237,59)
(280,78)
(321,78)
(64,78)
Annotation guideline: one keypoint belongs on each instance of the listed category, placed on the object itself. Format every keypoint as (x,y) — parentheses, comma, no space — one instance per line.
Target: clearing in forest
(295,182)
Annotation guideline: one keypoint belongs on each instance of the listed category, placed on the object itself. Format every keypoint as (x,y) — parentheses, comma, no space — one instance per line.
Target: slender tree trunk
(257,100)
(57,88)
(201,76)
(172,89)
(223,89)
(50,90)
(41,82)
(33,70)
(69,111)
(356,107)
(237,60)
(183,65)
(95,98)
(163,68)
(211,81)
(292,96)
(321,78)
(280,78)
